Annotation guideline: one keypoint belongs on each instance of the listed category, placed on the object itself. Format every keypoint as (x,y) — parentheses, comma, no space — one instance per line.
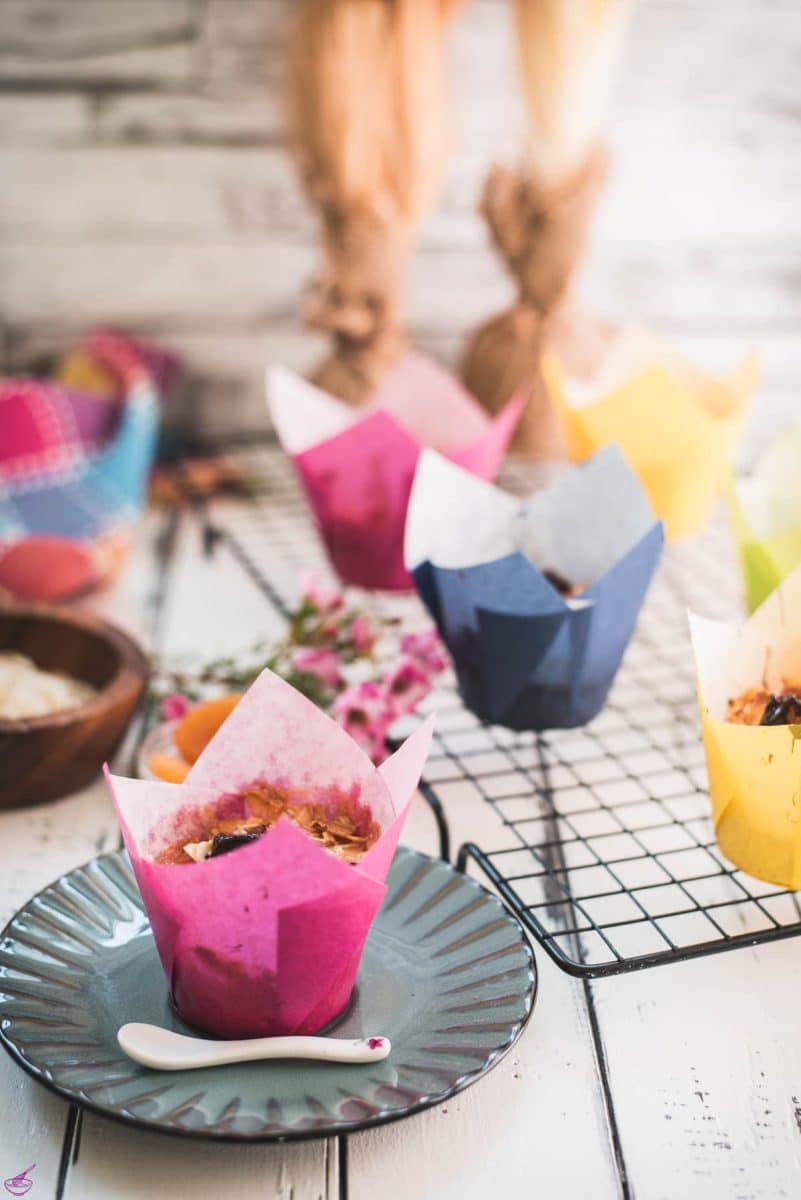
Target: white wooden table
(682,1081)
(174,107)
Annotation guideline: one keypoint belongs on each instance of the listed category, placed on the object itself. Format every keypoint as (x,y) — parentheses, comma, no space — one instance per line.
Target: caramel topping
(758,706)
(563,586)
(173,856)
(346,831)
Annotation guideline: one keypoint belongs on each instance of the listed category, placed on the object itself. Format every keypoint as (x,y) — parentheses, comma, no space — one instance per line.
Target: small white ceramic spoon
(167,1051)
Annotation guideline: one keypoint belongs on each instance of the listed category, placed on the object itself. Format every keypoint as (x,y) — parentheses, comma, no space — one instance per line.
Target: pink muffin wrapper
(266,939)
(357,465)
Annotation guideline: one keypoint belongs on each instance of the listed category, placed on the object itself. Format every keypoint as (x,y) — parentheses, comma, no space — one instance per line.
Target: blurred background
(144,182)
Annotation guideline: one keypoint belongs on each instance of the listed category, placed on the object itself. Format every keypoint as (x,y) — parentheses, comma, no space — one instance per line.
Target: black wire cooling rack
(601,841)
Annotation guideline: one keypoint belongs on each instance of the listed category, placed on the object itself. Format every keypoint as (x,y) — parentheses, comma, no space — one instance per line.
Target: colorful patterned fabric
(75,454)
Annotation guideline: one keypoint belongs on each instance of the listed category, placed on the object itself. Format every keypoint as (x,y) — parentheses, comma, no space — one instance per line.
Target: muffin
(749,691)
(356,465)
(536,600)
(262,872)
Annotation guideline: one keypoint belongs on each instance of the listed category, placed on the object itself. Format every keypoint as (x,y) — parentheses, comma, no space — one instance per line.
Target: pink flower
(377,750)
(361,635)
(426,650)
(405,686)
(323,599)
(363,704)
(319,661)
(362,712)
(174,706)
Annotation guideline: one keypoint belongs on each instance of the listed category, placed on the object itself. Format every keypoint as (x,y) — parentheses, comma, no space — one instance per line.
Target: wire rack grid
(603,846)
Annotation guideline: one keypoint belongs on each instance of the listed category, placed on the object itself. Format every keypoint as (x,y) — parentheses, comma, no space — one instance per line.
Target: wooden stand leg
(538,214)
(539,231)
(367,121)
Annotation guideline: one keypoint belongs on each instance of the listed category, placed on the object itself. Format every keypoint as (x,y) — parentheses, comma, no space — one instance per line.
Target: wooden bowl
(49,756)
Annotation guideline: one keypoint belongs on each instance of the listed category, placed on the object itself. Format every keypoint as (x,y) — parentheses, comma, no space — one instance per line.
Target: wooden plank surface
(705,1063)
(128,1165)
(93,43)
(247,194)
(176,211)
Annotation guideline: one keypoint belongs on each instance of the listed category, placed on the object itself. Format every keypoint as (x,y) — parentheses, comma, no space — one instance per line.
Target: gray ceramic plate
(446,974)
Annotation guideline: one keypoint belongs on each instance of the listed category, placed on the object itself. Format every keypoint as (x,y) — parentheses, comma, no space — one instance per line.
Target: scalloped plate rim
(334,1128)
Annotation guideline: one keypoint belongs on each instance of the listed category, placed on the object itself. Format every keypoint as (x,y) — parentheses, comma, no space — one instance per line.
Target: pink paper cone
(357,465)
(266,939)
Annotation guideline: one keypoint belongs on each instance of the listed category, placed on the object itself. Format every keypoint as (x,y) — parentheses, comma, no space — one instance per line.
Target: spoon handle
(345,1050)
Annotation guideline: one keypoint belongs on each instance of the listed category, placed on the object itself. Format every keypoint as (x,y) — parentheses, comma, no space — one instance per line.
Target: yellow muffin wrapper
(755,789)
(676,427)
(754,770)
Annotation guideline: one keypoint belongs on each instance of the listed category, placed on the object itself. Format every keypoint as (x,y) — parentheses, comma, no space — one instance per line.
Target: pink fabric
(73,469)
(40,430)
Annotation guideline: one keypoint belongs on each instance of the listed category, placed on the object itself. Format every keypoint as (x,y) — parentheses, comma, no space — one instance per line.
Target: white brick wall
(143,181)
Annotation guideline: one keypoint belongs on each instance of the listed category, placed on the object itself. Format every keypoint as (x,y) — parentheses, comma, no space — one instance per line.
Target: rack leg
(432,800)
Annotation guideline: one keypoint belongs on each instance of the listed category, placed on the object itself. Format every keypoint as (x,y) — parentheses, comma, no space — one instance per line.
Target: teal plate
(446,974)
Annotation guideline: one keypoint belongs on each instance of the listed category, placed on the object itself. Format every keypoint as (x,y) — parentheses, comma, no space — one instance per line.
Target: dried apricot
(169,768)
(198,727)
